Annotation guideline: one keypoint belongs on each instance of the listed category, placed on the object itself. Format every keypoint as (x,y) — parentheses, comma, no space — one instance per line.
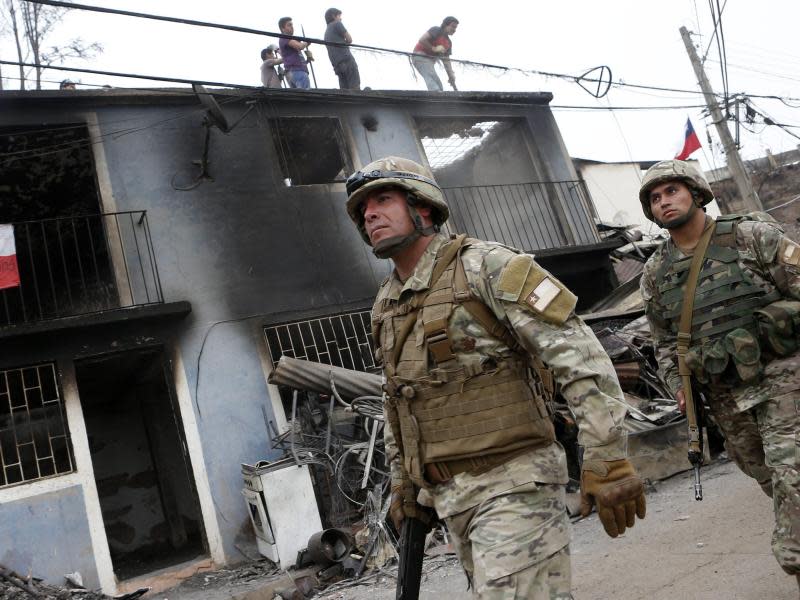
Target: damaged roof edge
(180,95)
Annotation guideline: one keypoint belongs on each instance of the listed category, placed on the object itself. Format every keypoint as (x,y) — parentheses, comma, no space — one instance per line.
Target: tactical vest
(725,346)
(447,411)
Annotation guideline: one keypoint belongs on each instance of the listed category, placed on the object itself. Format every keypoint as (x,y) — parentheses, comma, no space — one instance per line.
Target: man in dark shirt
(435,45)
(344,65)
(293,61)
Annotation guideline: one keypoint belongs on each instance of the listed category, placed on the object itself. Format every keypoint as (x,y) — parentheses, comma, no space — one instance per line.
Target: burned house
(171,247)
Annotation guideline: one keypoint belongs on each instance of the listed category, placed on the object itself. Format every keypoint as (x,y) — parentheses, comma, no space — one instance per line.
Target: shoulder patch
(789,252)
(525,282)
(513,276)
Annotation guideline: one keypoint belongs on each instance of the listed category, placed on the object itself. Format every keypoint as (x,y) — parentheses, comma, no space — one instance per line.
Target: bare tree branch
(30,25)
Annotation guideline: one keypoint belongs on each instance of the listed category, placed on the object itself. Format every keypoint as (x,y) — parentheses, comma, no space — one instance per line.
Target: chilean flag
(9,273)
(690,142)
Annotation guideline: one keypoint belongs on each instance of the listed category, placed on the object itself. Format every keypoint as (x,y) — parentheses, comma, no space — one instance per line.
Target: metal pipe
(316,377)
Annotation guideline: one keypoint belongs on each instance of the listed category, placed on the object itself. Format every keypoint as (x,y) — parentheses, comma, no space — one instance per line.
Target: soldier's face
(386,215)
(672,204)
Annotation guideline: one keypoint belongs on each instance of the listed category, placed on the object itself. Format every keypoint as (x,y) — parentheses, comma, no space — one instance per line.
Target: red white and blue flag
(9,272)
(690,142)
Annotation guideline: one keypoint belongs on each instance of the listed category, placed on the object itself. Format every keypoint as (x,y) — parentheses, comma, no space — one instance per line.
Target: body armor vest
(725,338)
(442,409)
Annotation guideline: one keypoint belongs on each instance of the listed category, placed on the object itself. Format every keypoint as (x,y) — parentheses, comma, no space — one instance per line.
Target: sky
(638,40)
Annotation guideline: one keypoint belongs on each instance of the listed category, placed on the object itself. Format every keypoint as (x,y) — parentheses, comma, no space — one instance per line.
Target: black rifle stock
(412,551)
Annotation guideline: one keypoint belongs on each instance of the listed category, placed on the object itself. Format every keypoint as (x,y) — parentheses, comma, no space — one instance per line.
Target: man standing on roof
(293,61)
(344,65)
(466,331)
(740,344)
(435,45)
(270,78)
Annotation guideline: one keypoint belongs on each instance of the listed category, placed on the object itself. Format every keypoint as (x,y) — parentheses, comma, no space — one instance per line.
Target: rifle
(694,420)
(684,339)
(412,551)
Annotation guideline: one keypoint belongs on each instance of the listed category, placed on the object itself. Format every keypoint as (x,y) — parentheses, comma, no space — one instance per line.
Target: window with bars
(34,437)
(340,340)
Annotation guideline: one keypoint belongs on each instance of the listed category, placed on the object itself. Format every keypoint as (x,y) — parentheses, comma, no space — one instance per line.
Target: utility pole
(748,195)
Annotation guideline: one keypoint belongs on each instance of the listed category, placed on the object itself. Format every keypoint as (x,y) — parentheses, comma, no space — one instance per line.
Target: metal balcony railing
(73,266)
(528,216)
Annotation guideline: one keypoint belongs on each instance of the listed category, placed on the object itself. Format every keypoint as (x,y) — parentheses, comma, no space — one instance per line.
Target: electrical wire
(762,72)
(724,55)
(8,157)
(235,28)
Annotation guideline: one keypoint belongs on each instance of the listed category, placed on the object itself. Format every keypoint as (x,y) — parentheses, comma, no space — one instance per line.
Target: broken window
(48,191)
(311,150)
(34,437)
(340,340)
(477,151)
(488,173)
(46,172)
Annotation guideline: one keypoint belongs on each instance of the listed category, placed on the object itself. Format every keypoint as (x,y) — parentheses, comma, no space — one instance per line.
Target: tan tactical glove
(617,491)
(403,503)
(309,56)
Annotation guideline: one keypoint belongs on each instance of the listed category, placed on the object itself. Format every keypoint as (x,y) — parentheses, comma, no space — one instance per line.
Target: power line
(71,145)
(760,72)
(128,75)
(248,30)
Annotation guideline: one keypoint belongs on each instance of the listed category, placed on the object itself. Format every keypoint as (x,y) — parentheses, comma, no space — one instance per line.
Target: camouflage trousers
(765,444)
(515,546)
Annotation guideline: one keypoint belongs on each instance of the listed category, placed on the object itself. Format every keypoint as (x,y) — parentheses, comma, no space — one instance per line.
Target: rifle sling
(685,334)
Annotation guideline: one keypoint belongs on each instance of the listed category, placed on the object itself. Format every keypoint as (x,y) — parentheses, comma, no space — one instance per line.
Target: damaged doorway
(151,512)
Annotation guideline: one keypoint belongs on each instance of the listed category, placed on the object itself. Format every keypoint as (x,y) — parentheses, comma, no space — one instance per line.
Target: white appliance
(282,507)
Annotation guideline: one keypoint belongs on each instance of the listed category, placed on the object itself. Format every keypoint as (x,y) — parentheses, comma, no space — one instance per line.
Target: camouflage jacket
(770,260)
(569,348)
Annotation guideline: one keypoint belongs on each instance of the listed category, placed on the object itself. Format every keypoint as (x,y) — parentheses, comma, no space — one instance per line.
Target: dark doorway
(149,503)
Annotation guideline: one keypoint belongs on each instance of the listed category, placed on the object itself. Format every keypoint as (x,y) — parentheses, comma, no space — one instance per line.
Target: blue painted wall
(48,536)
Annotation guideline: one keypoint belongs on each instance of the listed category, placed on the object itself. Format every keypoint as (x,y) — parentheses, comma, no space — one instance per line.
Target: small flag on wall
(690,141)
(9,273)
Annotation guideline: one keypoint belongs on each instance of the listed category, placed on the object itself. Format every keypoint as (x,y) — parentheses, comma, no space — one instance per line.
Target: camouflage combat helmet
(671,170)
(405,174)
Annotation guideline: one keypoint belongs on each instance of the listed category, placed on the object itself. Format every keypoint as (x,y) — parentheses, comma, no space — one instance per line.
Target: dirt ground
(717,549)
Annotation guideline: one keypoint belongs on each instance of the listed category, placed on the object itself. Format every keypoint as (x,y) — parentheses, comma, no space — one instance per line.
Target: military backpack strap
(685,335)
(436,338)
(447,253)
(487,319)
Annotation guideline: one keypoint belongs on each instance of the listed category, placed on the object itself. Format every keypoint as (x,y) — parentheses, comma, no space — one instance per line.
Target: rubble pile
(336,427)
(14,586)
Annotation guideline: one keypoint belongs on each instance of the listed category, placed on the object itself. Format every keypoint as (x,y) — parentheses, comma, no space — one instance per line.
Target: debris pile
(14,586)
(336,427)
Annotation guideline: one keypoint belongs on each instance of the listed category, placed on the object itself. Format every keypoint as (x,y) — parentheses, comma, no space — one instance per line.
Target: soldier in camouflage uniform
(458,325)
(745,324)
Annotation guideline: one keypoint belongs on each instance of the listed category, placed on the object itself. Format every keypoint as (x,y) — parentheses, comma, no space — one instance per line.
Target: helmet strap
(391,246)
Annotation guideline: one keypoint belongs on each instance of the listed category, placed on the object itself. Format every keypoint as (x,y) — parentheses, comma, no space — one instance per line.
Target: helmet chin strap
(391,246)
(675,223)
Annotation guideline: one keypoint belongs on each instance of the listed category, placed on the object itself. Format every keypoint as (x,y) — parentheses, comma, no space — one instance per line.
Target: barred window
(339,340)
(34,437)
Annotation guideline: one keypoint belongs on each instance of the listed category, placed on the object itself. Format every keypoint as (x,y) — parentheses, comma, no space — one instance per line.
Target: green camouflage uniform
(509,524)
(761,420)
